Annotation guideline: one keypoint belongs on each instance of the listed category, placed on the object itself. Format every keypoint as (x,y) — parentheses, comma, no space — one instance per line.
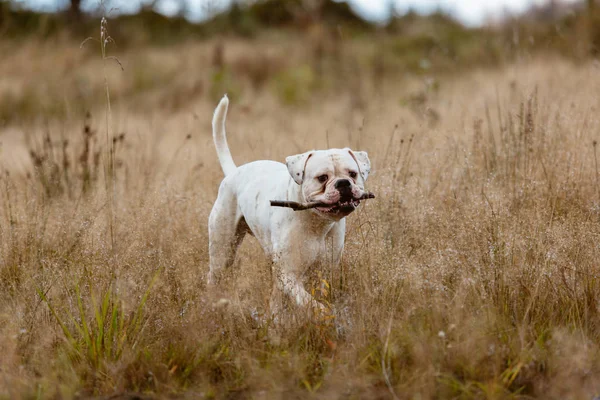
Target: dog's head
(336,177)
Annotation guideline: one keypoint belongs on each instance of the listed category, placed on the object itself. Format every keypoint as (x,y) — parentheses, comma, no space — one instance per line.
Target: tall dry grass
(473,274)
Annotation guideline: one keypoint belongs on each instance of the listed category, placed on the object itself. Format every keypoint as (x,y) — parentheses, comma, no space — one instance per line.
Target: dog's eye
(323,178)
(353,174)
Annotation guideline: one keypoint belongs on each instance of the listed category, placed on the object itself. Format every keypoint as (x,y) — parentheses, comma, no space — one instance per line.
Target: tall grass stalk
(109,156)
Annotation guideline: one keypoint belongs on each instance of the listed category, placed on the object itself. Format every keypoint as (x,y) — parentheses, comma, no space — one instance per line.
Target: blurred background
(169,61)
(292,48)
(169,20)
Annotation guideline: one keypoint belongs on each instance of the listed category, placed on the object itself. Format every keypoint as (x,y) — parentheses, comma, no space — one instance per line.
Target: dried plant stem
(110,181)
(384,356)
(595,144)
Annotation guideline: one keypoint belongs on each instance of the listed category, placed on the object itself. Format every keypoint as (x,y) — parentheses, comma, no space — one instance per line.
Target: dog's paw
(322,310)
(221,303)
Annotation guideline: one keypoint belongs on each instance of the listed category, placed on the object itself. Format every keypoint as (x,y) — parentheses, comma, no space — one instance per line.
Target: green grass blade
(121,333)
(108,338)
(113,336)
(137,319)
(84,325)
(99,339)
(63,327)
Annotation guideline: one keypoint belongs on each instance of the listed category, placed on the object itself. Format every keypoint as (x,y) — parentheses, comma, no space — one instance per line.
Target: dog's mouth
(341,207)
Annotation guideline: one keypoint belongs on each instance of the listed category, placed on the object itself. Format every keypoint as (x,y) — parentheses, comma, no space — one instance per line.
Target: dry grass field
(474,274)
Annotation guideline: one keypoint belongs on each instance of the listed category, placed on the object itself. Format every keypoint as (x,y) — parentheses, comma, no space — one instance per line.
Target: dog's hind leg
(226,230)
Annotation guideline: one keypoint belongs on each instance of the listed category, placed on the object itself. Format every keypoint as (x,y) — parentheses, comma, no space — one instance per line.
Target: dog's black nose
(342,183)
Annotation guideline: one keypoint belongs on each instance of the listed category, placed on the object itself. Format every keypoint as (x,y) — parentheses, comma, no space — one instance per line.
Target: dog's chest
(302,253)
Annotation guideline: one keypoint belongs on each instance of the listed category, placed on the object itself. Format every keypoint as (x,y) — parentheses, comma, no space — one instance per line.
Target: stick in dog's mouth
(306,206)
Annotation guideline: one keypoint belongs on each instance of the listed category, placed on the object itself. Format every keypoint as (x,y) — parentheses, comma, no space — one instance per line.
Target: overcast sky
(471,12)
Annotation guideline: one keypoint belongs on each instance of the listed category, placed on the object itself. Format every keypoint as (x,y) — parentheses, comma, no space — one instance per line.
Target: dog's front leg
(292,286)
(289,283)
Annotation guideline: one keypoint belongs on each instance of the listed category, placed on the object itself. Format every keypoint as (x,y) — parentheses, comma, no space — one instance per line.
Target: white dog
(294,240)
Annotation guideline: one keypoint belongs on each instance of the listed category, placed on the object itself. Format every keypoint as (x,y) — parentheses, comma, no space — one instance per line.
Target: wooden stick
(294,205)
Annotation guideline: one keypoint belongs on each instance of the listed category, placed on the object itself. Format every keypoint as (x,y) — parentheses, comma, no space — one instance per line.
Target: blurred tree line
(574,32)
(243,17)
(336,47)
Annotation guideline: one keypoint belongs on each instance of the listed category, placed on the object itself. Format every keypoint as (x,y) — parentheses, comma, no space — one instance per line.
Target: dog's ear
(363,162)
(296,164)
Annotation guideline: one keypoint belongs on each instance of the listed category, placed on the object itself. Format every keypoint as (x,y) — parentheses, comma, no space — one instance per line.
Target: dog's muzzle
(346,203)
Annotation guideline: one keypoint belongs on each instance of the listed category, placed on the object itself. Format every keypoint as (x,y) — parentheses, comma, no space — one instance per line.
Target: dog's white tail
(218,125)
